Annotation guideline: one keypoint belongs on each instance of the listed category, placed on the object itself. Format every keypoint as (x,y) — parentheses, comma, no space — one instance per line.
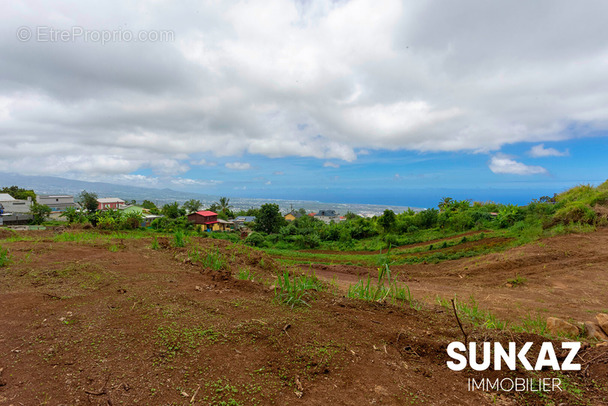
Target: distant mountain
(52,185)
(55,185)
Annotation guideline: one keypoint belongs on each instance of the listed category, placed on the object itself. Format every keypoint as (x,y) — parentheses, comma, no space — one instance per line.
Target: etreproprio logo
(509,356)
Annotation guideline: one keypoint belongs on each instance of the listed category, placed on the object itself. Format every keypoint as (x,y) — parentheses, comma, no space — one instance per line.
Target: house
(57,203)
(106,203)
(292,215)
(240,221)
(12,205)
(209,222)
(328,216)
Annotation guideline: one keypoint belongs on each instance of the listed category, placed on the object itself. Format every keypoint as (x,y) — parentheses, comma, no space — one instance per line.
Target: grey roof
(5,197)
(246,219)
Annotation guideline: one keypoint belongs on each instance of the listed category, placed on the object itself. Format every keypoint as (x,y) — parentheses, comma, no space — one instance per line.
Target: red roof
(312,214)
(211,222)
(206,213)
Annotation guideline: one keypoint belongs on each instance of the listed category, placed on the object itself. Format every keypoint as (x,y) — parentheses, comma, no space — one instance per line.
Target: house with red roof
(208,221)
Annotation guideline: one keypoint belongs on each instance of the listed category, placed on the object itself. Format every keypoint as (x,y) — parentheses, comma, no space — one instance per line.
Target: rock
(556,327)
(602,321)
(593,330)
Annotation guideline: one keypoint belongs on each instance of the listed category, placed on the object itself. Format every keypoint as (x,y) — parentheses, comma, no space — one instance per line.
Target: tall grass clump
(5,258)
(179,239)
(386,287)
(215,260)
(154,244)
(296,291)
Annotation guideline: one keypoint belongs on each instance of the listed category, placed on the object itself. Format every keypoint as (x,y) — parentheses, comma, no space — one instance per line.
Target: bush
(255,239)
(575,212)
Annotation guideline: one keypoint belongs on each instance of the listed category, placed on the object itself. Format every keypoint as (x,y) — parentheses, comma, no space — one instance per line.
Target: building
(57,203)
(328,216)
(209,222)
(241,221)
(292,215)
(12,205)
(107,203)
(15,219)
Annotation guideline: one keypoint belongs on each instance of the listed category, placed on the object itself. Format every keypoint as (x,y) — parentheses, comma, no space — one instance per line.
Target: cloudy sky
(370,101)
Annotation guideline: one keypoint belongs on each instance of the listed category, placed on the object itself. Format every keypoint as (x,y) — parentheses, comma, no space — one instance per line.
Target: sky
(359,101)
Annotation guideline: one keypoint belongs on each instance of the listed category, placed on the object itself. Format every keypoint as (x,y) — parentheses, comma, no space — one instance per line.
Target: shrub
(255,239)
(575,212)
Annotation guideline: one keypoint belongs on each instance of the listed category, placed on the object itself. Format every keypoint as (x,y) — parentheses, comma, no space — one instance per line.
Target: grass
(244,274)
(5,257)
(517,280)
(213,259)
(179,239)
(293,291)
(154,244)
(385,288)
(470,311)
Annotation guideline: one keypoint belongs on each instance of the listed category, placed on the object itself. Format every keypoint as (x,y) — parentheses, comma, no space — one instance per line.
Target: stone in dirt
(557,326)
(602,321)
(592,330)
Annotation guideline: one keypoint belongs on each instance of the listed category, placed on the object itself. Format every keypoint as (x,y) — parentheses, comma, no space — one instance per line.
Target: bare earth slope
(115,322)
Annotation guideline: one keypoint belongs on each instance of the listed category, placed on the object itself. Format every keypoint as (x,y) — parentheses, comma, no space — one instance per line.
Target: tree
(269,219)
(88,201)
(40,212)
(19,193)
(224,203)
(445,203)
(387,220)
(172,210)
(71,214)
(148,205)
(192,206)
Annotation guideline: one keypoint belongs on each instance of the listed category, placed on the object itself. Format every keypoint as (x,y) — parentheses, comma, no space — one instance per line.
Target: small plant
(244,274)
(5,258)
(215,260)
(179,239)
(113,248)
(385,287)
(517,280)
(293,291)
(154,244)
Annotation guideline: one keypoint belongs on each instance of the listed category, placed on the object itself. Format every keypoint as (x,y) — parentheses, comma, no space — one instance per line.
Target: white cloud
(238,166)
(504,164)
(278,173)
(203,162)
(330,165)
(194,182)
(323,79)
(539,151)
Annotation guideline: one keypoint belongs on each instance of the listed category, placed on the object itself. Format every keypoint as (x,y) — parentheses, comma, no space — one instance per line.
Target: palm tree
(224,203)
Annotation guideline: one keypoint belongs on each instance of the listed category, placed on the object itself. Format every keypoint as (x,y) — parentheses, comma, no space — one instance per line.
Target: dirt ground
(117,322)
(565,276)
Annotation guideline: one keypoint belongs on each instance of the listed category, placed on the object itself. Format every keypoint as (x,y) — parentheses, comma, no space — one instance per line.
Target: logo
(546,356)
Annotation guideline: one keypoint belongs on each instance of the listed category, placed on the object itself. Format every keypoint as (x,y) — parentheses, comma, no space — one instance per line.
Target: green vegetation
(19,193)
(213,259)
(471,312)
(41,212)
(385,288)
(293,291)
(5,258)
